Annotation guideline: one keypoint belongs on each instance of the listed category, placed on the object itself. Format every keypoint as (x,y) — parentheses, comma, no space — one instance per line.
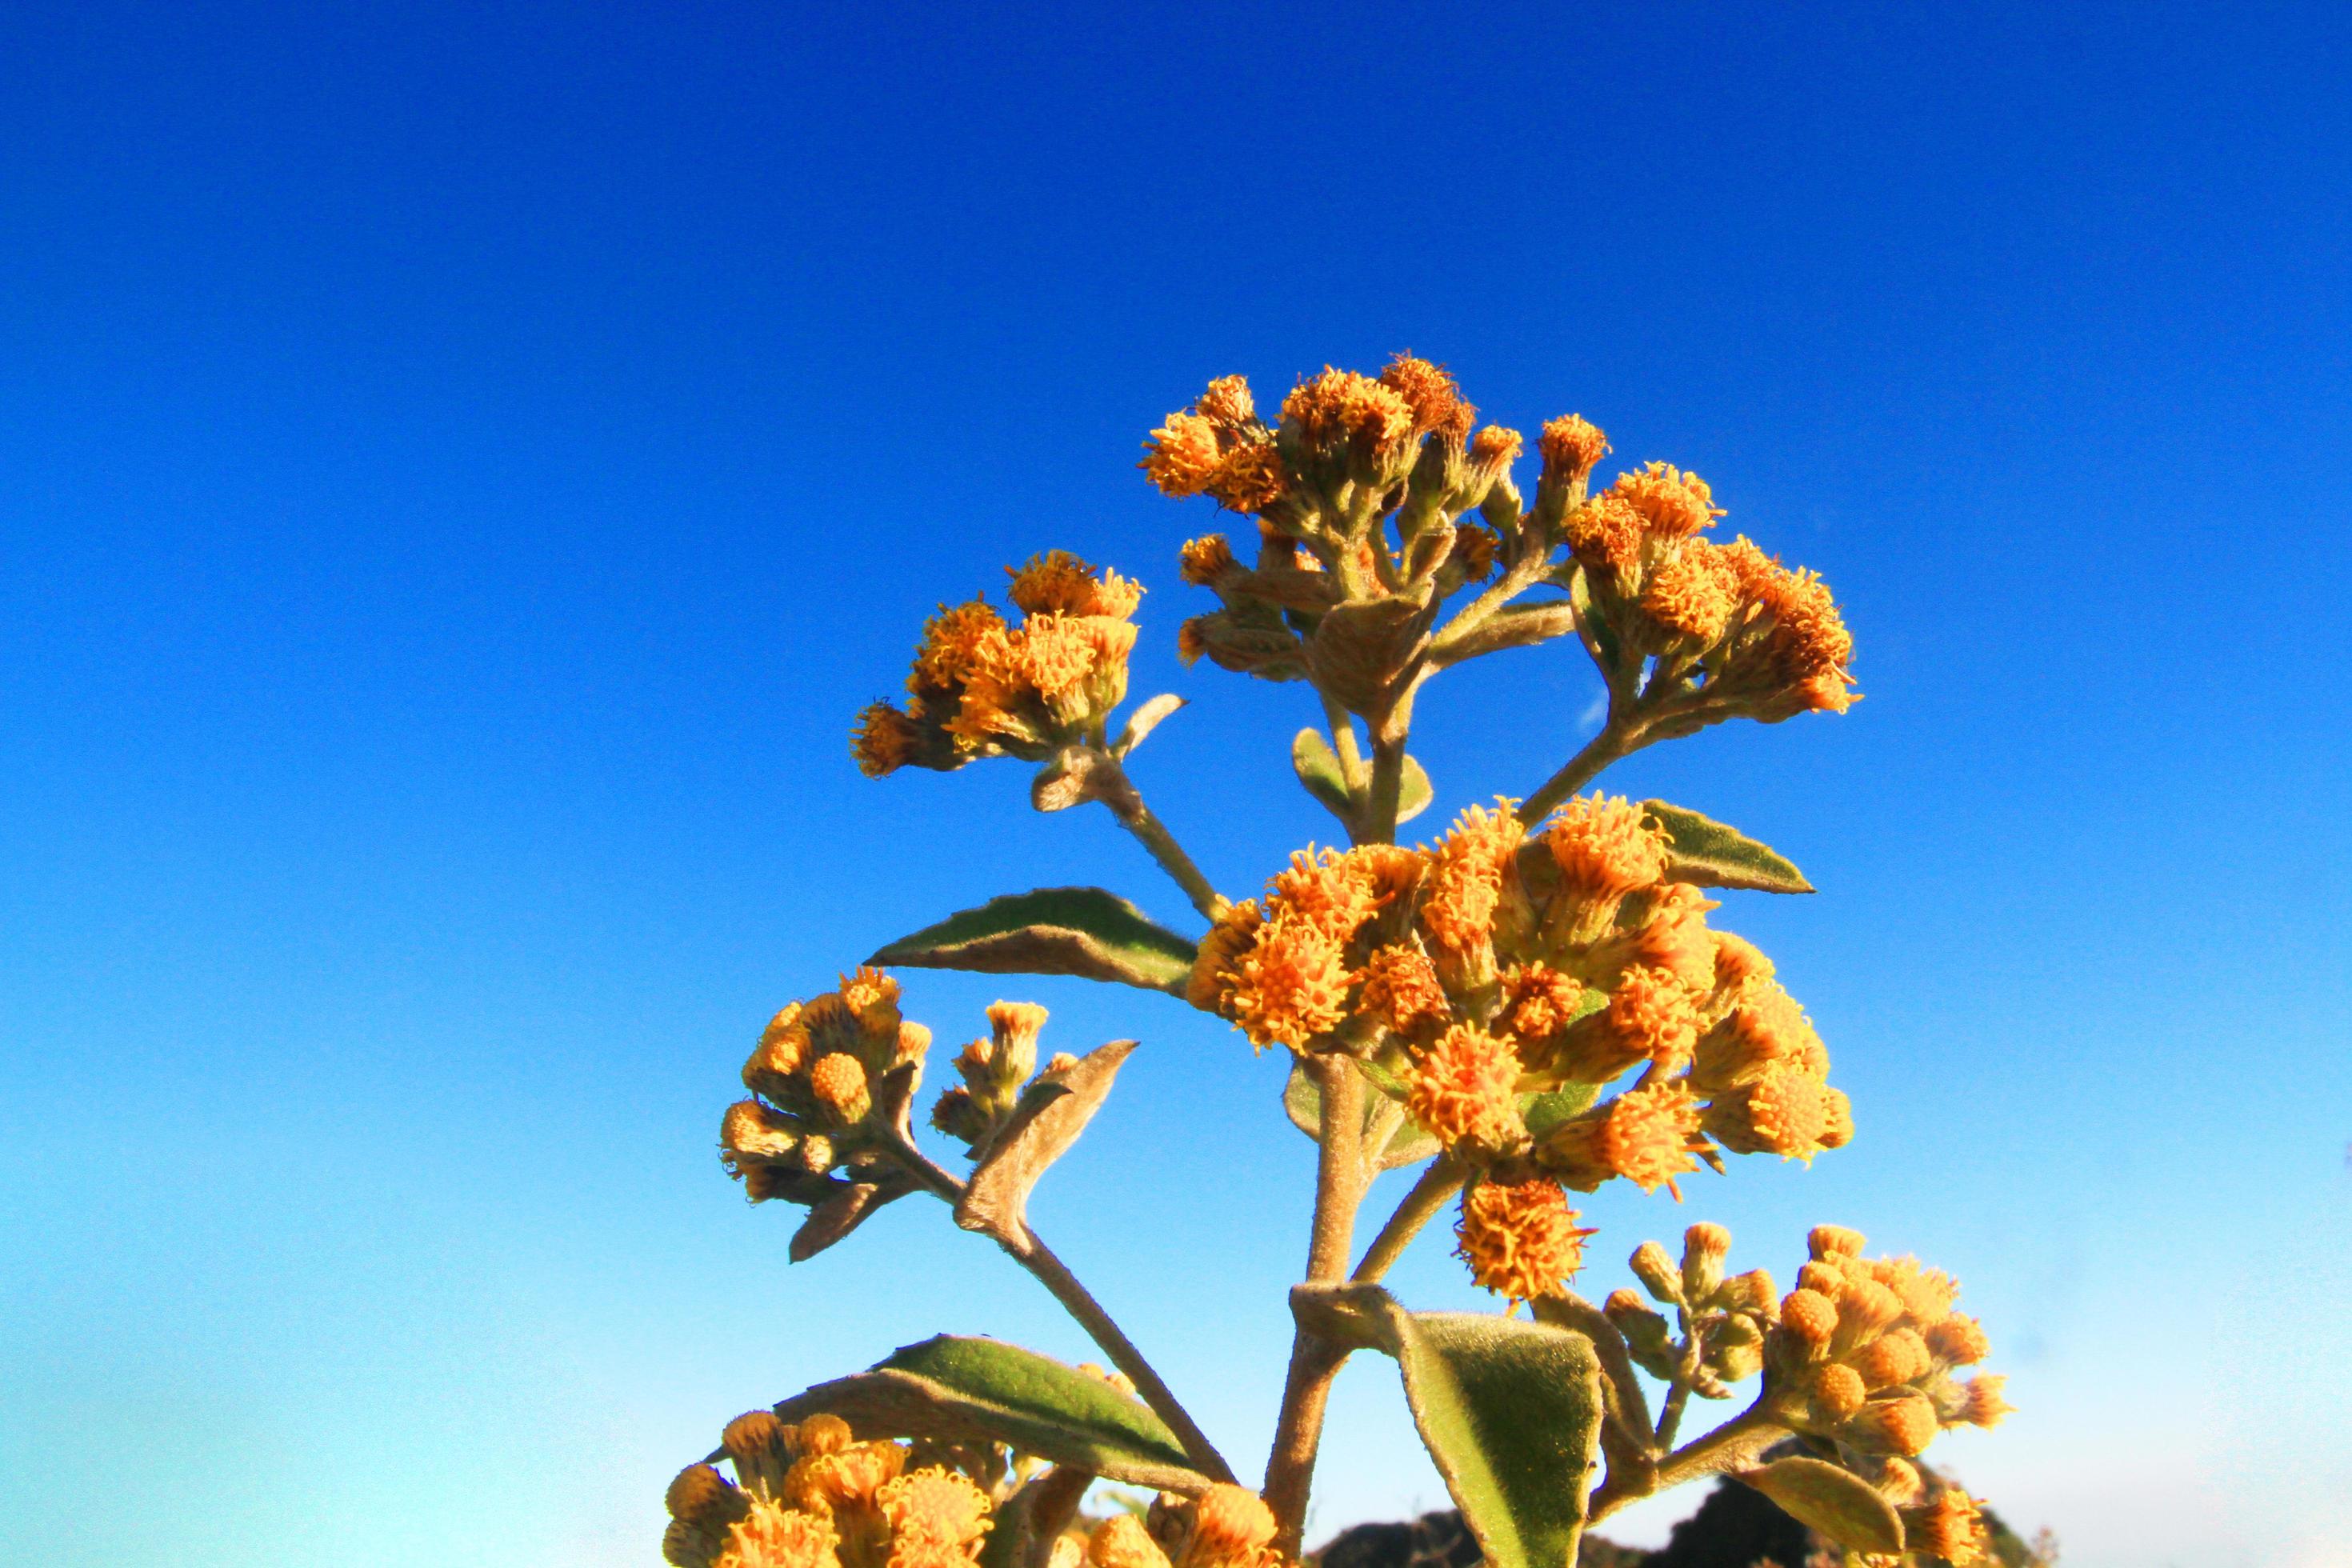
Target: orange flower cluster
(1768,641)
(1226,1526)
(812,1496)
(820,1077)
(1520,1238)
(1493,965)
(1860,1356)
(1218,448)
(981,687)
(995,1071)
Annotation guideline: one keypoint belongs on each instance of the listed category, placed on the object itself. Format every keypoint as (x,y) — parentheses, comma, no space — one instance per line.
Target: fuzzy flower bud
(1657,1273)
(1704,1247)
(1014,1025)
(1645,1332)
(1983,1405)
(1203,560)
(1227,402)
(1570,445)
(1122,1541)
(1834,1241)
(1898,1356)
(839,1082)
(1464,1090)
(1903,1425)
(1950,1527)
(700,1495)
(1809,1319)
(1838,1390)
(1230,1527)
(1605,849)
(1958,1340)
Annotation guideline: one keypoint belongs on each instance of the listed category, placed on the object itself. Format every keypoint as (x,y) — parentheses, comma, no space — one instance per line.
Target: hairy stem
(1728,1447)
(1615,740)
(1116,791)
(1306,1391)
(1380,803)
(1031,1253)
(1343,745)
(1628,1407)
(1436,1186)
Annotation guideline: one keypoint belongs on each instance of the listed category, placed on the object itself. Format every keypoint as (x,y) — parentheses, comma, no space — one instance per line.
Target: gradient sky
(462,467)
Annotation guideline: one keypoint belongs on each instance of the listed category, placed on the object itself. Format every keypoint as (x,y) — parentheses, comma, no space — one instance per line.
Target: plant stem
(1615,740)
(1343,745)
(1116,791)
(1628,1407)
(1306,1391)
(1381,803)
(1050,1271)
(1726,1447)
(1437,1183)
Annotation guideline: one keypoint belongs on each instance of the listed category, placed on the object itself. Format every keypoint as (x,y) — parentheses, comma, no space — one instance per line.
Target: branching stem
(1616,739)
(1050,1271)
(1436,1186)
(1110,784)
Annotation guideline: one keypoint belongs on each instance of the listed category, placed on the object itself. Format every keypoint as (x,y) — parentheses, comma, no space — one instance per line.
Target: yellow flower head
(1958,1340)
(1672,504)
(1838,1390)
(1290,986)
(1831,1242)
(1181,455)
(773,1536)
(1984,1406)
(752,1133)
(1227,402)
(1606,848)
(1651,1014)
(1897,1356)
(1400,989)
(1951,1526)
(1520,1241)
(838,1082)
(1251,478)
(1203,560)
(1339,406)
(1329,890)
(954,642)
(1539,1002)
(1464,1090)
(1606,535)
(1495,448)
(840,1480)
(1903,1424)
(1647,1135)
(1230,1527)
(1810,1318)
(937,1517)
(883,740)
(1784,1112)
(1232,935)
(1122,1541)
(1570,445)
(1693,594)
(1738,962)
(1435,398)
(1465,879)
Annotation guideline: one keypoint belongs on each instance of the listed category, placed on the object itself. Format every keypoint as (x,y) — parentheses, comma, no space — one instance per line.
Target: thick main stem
(1116,791)
(1031,1253)
(1306,1391)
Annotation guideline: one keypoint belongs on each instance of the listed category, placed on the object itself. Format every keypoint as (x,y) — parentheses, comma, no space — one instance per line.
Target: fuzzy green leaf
(1838,1503)
(1084,931)
(963,1390)
(1509,1410)
(1318,769)
(1706,854)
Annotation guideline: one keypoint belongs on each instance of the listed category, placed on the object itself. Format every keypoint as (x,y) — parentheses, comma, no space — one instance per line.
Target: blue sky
(462,468)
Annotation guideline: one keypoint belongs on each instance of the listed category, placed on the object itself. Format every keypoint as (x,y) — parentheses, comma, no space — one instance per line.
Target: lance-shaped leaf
(1051,1114)
(1407,1144)
(842,1212)
(1708,854)
(1318,769)
(961,1390)
(1838,1503)
(1084,931)
(1509,1410)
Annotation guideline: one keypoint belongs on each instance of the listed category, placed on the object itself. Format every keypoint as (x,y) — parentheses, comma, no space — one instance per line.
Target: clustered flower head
(984,686)
(820,1077)
(1767,641)
(1860,1358)
(1227,1526)
(995,1071)
(1495,966)
(811,1496)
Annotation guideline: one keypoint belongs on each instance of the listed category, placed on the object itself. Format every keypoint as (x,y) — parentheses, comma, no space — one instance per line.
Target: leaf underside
(1509,1410)
(1302,1101)
(1708,854)
(1051,1115)
(1318,769)
(965,1389)
(1085,931)
(1838,1503)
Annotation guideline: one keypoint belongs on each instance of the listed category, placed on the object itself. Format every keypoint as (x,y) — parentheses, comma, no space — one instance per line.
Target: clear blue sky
(462,467)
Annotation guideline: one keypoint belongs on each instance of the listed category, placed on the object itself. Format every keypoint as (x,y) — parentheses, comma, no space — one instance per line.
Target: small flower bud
(1984,1406)
(1230,1526)
(1899,1356)
(1061,1061)
(1015,1026)
(760,1448)
(1903,1425)
(1121,1541)
(1645,1331)
(1951,1527)
(686,1545)
(1838,1390)
(1958,1340)
(839,1082)
(1899,1481)
(1865,1309)
(701,1496)
(1203,560)
(1834,1241)
(752,1132)
(1819,1276)
(914,1043)
(1704,1247)
(1657,1273)
(1735,1349)
(821,1435)
(1751,1292)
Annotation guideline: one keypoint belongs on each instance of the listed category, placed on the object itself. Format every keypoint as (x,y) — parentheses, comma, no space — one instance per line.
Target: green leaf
(1318,769)
(1838,1503)
(961,1390)
(1542,1112)
(1084,931)
(1048,1121)
(1302,1101)
(1509,1410)
(1706,854)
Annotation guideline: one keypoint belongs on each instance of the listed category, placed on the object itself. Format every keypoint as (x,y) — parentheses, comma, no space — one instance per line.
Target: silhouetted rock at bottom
(1734,1528)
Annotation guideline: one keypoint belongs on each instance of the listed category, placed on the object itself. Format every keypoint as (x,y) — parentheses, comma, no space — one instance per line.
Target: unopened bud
(1645,1332)
(701,1496)
(1121,1541)
(1657,1273)
(1015,1026)
(1822,1276)
(1231,1525)
(1905,1424)
(1865,1309)
(1832,1241)
(1958,1340)
(1751,1292)
(1983,1406)
(914,1042)
(1809,1319)
(1704,1247)
(1950,1527)
(1898,1480)
(822,1435)
(1897,1357)
(1735,1349)
(1838,1390)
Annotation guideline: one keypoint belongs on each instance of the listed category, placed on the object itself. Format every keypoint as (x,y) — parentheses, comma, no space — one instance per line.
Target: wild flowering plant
(1530,1006)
